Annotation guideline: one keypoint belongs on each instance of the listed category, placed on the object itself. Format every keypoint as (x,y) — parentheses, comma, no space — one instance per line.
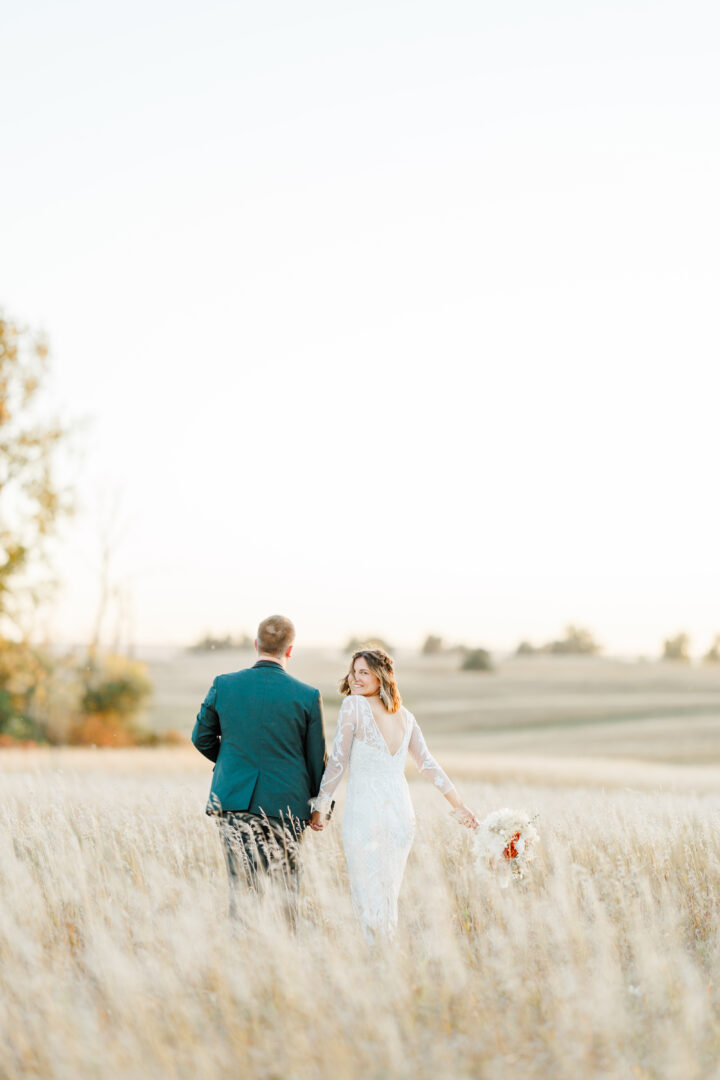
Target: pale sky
(394,317)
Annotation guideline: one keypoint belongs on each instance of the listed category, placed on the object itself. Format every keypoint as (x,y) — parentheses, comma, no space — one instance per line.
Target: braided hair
(382,666)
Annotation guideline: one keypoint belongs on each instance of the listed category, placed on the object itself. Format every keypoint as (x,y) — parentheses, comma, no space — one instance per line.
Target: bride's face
(362,680)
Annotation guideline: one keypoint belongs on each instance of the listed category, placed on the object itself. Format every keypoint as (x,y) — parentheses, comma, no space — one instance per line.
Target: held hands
(318,821)
(320,818)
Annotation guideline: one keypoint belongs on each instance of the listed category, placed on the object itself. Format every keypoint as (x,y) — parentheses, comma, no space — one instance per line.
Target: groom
(264,731)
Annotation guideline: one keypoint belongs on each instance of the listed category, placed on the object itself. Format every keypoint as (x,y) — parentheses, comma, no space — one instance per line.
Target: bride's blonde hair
(382,666)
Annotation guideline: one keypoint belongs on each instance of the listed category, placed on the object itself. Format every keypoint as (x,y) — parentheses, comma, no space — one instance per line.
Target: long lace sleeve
(426,763)
(339,755)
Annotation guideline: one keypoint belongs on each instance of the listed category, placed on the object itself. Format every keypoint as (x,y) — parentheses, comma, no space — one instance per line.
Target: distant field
(547,706)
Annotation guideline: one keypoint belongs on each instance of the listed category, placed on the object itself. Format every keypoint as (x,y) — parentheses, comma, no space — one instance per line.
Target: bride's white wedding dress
(379,822)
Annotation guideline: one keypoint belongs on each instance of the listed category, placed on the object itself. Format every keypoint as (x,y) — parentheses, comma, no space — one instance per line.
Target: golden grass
(118,959)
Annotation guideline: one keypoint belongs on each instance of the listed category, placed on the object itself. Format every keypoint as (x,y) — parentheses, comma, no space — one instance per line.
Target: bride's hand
(318,821)
(464,815)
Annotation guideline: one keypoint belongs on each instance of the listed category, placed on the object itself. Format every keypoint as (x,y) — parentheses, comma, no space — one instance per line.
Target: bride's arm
(336,765)
(429,768)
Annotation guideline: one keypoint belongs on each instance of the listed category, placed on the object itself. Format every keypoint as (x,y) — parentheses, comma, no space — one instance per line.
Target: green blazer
(264,731)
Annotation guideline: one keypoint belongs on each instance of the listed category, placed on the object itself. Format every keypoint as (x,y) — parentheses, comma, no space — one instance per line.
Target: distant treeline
(576,641)
(209,643)
(678,649)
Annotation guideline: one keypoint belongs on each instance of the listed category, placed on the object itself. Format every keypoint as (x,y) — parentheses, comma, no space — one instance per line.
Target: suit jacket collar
(268,663)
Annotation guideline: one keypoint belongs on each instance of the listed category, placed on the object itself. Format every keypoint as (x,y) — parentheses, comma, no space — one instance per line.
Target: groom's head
(275,638)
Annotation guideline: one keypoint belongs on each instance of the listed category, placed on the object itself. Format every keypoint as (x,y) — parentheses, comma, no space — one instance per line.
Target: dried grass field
(119,961)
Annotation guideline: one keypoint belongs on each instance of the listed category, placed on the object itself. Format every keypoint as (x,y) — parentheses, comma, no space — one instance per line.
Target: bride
(375,733)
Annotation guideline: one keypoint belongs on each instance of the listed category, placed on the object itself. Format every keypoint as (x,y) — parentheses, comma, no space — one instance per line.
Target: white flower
(503,844)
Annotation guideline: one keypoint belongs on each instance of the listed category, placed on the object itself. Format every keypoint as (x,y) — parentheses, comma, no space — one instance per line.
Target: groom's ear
(288,651)
(255,644)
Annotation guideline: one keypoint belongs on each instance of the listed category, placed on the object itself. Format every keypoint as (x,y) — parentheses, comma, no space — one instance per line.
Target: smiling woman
(375,734)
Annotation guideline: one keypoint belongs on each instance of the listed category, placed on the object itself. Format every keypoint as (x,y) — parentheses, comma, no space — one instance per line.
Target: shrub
(24,675)
(114,691)
(432,646)
(677,649)
(477,660)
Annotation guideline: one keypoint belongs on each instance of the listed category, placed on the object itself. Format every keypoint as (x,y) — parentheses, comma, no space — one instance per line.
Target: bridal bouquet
(504,844)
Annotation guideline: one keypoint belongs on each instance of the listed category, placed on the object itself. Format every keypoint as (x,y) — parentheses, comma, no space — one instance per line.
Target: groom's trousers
(262,855)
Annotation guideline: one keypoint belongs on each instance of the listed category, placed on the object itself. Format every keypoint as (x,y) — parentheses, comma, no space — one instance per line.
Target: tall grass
(119,960)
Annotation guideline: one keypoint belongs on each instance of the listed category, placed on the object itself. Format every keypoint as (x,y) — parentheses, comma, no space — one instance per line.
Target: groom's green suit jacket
(264,731)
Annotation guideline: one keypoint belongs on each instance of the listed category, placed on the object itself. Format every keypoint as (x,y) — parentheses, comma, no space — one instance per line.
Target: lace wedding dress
(379,822)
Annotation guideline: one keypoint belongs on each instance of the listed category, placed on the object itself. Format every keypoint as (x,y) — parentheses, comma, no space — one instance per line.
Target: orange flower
(511,852)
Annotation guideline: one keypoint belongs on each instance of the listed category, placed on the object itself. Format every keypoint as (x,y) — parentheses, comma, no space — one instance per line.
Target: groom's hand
(318,821)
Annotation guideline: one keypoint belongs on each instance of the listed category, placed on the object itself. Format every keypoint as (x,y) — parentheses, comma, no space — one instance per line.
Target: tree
(677,649)
(42,697)
(31,500)
(31,503)
(210,642)
(432,646)
(370,642)
(712,656)
(477,660)
(577,642)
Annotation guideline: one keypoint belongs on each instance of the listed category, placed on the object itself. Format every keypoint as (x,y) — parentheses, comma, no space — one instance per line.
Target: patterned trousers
(262,856)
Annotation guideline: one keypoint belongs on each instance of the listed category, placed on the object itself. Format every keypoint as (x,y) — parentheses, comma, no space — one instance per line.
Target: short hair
(275,634)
